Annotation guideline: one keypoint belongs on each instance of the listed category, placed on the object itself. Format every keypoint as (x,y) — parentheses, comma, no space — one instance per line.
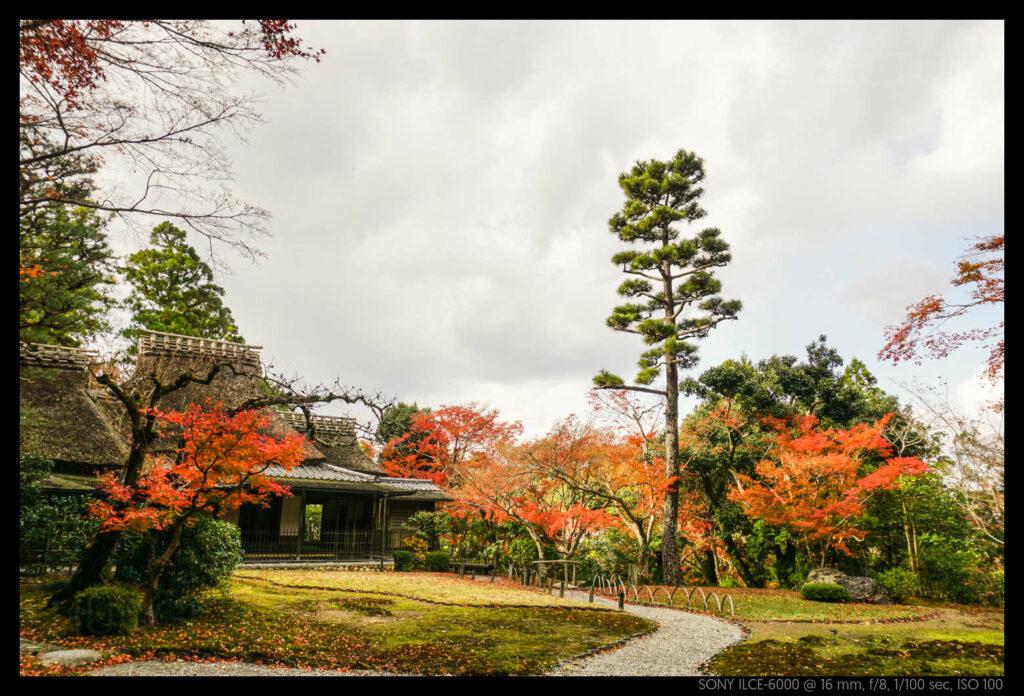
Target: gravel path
(682,642)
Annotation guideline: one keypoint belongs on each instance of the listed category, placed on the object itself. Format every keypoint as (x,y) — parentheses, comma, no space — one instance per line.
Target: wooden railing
(330,546)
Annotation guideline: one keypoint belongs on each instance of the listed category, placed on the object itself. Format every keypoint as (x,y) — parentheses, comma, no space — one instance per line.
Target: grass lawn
(438,587)
(357,629)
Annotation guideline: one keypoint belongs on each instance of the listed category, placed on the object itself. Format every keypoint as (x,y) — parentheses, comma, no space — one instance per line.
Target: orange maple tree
(811,485)
(440,441)
(981,269)
(220,465)
(506,485)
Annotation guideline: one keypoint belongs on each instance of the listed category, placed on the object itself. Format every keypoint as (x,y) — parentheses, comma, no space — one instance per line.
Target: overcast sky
(440,194)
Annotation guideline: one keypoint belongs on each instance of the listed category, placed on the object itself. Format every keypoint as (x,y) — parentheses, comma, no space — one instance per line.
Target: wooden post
(383,528)
(591,598)
(302,525)
(622,600)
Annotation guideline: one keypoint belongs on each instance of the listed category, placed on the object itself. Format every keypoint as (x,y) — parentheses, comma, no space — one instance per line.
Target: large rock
(70,658)
(861,589)
(827,575)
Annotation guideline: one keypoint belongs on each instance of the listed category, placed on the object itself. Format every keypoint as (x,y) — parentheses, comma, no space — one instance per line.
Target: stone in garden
(70,658)
(861,589)
(826,575)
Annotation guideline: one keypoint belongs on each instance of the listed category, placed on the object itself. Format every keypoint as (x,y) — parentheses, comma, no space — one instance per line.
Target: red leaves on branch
(68,56)
(444,439)
(811,485)
(982,270)
(279,43)
(219,466)
(62,54)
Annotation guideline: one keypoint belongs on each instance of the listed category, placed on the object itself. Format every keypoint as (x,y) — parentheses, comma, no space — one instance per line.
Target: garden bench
(474,567)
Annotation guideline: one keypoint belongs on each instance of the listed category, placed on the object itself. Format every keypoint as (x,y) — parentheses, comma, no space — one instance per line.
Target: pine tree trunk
(672,572)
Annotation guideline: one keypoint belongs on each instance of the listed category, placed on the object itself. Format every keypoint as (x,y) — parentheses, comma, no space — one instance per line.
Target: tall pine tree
(673,298)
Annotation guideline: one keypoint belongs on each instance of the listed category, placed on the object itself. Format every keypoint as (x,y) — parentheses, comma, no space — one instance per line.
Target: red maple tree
(811,484)
(219,466)
(440,441)
(981,269)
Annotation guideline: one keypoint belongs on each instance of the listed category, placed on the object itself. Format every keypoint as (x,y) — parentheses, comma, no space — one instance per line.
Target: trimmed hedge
(106,609)
(437,561)
(403,559)
(824,592)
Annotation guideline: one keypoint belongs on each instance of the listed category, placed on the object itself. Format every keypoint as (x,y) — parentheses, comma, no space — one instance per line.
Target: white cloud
(441,191)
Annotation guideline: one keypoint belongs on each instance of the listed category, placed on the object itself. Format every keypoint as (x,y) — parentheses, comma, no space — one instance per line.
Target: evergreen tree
(67,276)
(174,292)
(66,268)
(675,297)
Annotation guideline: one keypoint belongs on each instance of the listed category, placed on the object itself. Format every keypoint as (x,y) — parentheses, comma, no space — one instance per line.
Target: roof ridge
(59,356)
(154,342)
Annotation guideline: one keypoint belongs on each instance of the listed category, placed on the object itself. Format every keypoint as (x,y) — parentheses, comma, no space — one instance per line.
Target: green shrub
(54,529)
(900,582)
(106,609)
(403,559)
(209,552)
(824,592)
(437,561)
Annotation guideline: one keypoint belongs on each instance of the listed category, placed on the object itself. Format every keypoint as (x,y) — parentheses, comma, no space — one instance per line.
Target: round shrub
(209,552)
(437,561)
(106,609)
(900,582)
(824,592)
(403,559)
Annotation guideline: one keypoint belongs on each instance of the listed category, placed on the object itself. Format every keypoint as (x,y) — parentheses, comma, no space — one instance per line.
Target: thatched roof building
(66,417)
(61,419)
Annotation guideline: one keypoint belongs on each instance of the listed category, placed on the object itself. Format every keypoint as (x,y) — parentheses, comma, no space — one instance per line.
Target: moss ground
(259,622)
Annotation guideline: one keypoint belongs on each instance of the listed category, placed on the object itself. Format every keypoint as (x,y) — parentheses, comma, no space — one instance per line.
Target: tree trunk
(741,566)
(671,570)
(94,560)
(156,569)
(707,565)
(97,553)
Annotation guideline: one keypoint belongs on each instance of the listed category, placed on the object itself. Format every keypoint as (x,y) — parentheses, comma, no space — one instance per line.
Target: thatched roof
(335,436)
(59,419)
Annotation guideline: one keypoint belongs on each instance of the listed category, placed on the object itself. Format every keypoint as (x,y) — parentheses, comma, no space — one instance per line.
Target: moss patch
(812,657)
(259,623)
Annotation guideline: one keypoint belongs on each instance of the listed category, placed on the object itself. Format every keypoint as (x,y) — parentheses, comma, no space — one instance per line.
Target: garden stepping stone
(70,658)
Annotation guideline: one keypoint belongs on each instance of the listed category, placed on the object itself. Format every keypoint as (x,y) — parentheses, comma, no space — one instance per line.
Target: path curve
(682,642)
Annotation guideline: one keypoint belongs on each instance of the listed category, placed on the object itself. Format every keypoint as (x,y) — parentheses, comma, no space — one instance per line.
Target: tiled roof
(416,489)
